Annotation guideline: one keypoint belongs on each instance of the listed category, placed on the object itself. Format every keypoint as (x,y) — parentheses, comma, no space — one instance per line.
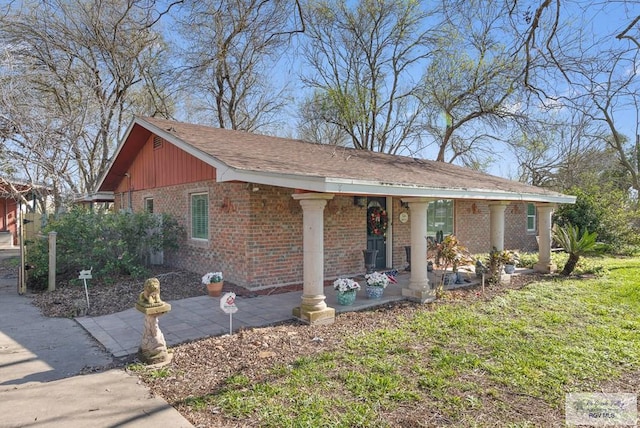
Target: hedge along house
(272,211)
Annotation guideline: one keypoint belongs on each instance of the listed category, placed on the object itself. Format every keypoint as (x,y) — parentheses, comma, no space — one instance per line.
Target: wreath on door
(377,221)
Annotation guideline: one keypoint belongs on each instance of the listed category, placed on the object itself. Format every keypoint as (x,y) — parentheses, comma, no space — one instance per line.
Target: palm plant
(574,243)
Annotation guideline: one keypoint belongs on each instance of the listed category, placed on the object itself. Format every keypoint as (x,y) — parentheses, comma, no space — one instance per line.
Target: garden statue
(151,294)
(153,348)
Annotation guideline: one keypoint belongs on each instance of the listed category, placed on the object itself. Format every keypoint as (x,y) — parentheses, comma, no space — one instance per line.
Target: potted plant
(376,283)
(451,254)
(498,262)
(510,260)
(346,290)
(214,282)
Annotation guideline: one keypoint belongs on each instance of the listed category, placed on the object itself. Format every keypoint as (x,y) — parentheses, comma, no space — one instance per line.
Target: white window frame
(431,210)
(146,205)
(533,217)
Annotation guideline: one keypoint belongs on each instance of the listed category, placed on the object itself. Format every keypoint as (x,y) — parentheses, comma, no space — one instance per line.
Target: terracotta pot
(214,288)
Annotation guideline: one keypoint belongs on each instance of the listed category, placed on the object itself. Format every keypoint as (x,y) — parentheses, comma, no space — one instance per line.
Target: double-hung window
(531,217)
(440,217)
(148,205)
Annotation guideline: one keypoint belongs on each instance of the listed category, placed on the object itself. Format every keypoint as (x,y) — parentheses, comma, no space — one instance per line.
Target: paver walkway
(200,317)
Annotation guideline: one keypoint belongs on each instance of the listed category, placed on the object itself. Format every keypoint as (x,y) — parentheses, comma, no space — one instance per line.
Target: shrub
(111,243)
(528,260)
(607,211)
(575,242)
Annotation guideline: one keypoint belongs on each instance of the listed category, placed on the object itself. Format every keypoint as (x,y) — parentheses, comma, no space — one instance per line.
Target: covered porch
(394,292)
(418,285)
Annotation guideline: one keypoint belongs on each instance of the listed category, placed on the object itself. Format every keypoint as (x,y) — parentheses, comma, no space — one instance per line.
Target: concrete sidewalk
(41,361)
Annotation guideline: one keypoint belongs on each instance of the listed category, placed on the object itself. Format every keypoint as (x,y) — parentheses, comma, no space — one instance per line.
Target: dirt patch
(121,293)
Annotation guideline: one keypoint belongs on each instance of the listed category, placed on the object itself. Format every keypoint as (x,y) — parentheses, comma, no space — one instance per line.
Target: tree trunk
(571,264)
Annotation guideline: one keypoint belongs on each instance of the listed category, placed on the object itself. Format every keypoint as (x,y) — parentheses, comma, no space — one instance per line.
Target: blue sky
(597,18)
(600,21)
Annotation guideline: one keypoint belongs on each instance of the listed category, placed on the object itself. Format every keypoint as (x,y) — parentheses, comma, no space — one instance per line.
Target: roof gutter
(349,186)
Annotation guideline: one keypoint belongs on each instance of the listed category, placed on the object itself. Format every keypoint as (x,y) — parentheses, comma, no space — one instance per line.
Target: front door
(377,223)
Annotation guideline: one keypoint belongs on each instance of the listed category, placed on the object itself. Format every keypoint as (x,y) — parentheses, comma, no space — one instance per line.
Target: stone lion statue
(151,294)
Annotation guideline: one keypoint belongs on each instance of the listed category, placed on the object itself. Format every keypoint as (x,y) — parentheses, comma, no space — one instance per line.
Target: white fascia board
(408,190)
(292,181)
(347,186)
(91,197)
(116,153)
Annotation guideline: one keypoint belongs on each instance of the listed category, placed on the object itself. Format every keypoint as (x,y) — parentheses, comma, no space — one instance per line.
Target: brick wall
(472,226)
(256,232)
(516,236)
(228,206)
(345,236)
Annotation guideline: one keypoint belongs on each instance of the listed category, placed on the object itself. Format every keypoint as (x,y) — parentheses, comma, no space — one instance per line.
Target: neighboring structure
(272,211)
(14,195)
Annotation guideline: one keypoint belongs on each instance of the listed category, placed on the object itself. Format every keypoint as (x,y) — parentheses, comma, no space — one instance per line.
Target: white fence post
(52,261)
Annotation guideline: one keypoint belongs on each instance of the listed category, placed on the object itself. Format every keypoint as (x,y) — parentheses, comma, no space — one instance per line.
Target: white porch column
(544,214)
(496,224)
(313,308)
(419,289)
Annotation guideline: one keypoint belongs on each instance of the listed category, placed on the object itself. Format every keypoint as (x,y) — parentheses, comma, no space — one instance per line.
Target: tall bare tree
(470,93)
(362,59)
(312,127)
(231,50)
(72,75)
(548,31)
(585,67)
(559,149)
(610,94)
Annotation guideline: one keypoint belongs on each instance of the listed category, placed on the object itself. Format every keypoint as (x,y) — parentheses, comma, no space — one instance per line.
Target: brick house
(273,211)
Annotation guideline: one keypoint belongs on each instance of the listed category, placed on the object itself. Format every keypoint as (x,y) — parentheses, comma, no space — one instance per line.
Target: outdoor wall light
(360,201)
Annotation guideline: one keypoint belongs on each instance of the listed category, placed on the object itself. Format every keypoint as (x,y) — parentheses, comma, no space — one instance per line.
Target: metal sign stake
(84,275)
(228,305)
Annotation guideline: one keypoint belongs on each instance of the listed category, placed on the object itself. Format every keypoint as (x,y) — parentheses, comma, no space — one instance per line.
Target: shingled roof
(260,159)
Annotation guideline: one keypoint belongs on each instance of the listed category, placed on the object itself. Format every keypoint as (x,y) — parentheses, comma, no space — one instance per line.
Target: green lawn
(504,362)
